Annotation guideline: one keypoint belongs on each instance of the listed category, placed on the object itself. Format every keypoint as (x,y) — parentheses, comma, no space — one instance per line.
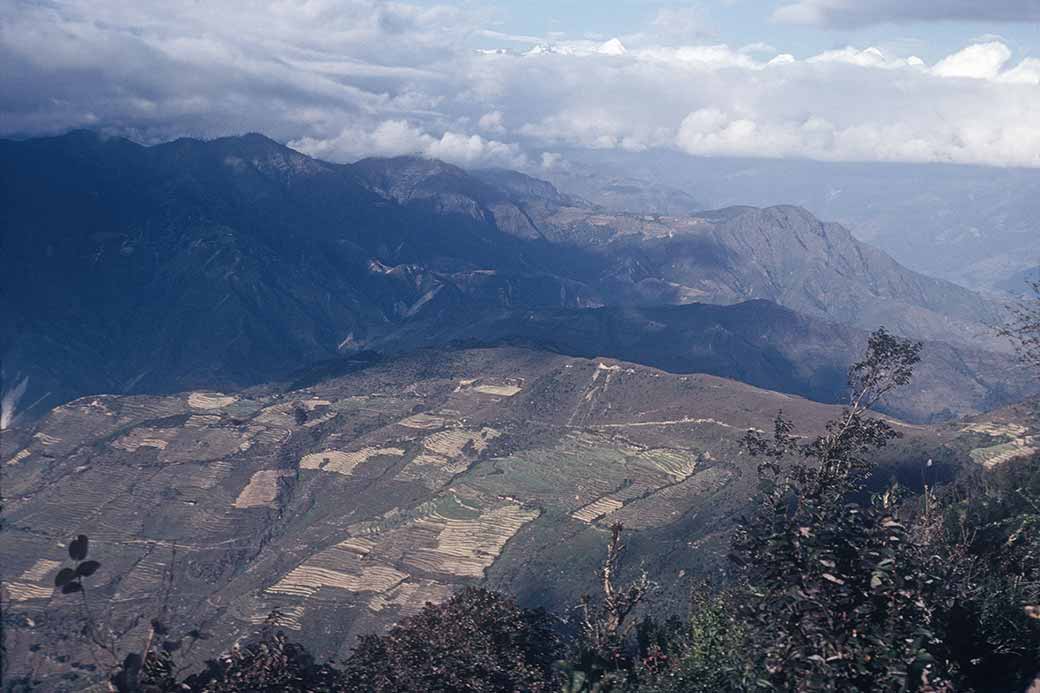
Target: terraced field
(337,509)
(1009,441)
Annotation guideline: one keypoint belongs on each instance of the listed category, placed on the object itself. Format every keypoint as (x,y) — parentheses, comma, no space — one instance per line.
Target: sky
(515,84)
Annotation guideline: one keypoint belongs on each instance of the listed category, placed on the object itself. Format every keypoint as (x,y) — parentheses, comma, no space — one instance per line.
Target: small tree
(131,666)
(705,654)
(834,593)
(270,664)
(990,529)
(603,659)
(606,625)
(478,641)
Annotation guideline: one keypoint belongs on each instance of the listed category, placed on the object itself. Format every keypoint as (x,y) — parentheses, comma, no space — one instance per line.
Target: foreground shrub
(271,664)
(705,654)
(991,526)
(478,641)
(835,595)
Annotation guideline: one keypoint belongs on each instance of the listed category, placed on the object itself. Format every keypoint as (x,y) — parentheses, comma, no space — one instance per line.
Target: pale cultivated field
(651,475)
(278,415)
(146,438)
(34,583)
(343,566)
(262,489)
(18,591)
(423,421)
(305,580)
(392,560)
(447,454)
(466,547)
(597,509)
(452,443)
(996,455)
(1021,444)
(210,400)
(345,462)
(507,387)
(1012,430)
(677,464)
(499,390)
(432,471)
(47,439)
(410,597)
(19,456)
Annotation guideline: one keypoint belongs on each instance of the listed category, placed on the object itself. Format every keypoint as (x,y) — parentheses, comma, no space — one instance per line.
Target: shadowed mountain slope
(756,342)
(134,269)
(227,263)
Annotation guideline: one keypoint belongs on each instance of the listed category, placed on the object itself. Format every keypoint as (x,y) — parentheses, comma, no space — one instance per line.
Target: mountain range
(973,225)
(232,262)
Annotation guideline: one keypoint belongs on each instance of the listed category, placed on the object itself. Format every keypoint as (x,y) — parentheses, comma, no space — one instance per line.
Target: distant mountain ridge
(974,225)
(780,253)
(226,263)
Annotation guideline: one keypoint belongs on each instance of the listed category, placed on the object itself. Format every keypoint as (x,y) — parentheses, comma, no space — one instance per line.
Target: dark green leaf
(71,588)
(78,548)
(87,568)
(64,576)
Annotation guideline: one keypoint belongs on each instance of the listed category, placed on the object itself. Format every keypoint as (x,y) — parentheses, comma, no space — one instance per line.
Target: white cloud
(343,79)
(398,137)
(980,61)
(868,57)
(1026,72)
(492,122)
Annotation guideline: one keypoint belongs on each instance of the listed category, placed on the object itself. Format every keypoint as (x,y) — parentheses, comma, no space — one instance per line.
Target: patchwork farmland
(337,508)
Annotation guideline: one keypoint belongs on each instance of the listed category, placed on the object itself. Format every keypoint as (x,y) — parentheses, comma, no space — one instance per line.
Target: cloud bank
(342,79)
(854,13)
